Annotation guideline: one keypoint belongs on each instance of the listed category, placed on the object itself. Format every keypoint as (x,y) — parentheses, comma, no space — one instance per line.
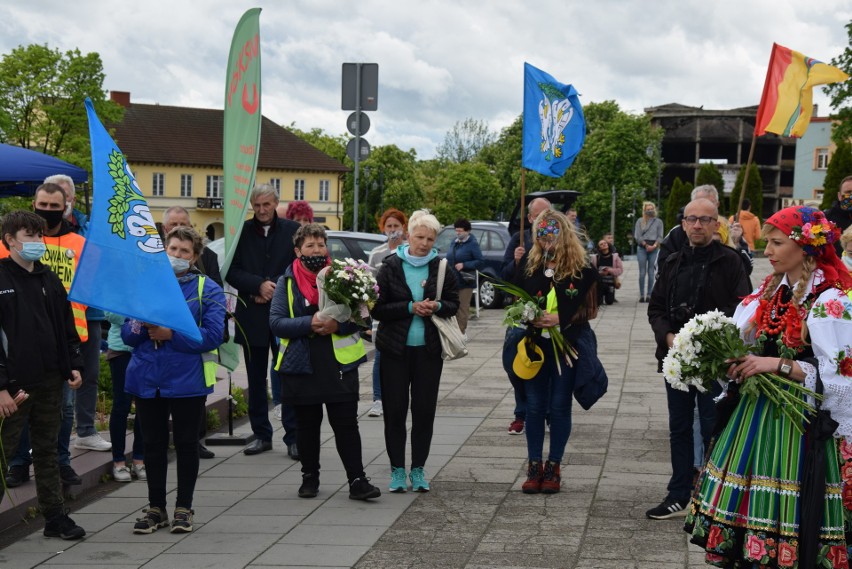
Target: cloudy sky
(440,61)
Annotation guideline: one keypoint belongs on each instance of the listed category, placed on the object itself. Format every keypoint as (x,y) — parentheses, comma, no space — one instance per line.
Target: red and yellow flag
(787,102)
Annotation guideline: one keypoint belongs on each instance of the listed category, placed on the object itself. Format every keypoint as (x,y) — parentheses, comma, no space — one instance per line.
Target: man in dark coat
(703,275)
(264,252)
(841,211)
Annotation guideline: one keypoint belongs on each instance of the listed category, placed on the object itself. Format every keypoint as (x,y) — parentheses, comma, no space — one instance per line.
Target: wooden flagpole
(745,176)
(523,192)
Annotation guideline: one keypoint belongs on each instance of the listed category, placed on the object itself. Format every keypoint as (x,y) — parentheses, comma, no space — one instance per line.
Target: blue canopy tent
(22,170)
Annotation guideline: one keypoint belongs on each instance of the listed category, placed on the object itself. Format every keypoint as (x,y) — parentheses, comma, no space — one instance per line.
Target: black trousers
(419,374)
(343,418)
(154,415)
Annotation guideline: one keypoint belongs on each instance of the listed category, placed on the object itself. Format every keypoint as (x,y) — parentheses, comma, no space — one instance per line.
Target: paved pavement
(247,513)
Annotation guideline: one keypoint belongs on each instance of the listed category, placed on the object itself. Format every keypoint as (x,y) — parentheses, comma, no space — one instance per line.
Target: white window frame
(822,158)
(324,190)
(158,184)
(299,190)
(186,185)
(215,186)
(276,183)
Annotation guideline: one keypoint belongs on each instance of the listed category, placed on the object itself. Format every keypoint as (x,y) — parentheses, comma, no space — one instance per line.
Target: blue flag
(554,127)
(124,267)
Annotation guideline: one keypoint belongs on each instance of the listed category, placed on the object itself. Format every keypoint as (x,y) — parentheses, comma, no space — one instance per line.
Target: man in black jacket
(703,275)
(264,252)
(841,211)
(39,351)
(676,238)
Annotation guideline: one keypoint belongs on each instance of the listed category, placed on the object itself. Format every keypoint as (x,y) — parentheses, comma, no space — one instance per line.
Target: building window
(186,185)
(214,186)
(299,190)
(158,184)
(276,183)
(822,158)
(323,192)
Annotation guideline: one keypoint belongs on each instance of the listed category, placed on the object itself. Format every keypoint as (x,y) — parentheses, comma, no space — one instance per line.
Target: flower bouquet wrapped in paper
(347,291)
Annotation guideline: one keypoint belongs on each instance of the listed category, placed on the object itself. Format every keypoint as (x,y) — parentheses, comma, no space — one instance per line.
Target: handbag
(452,341)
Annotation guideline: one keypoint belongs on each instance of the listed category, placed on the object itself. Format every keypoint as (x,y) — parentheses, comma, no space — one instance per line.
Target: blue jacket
(469,255)
(175,367)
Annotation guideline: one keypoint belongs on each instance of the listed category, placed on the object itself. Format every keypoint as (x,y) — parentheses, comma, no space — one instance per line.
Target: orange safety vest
(62,256)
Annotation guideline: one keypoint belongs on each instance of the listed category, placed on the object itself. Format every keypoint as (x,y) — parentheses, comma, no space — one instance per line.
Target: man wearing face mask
(841,212)
(78,220)
(263,253)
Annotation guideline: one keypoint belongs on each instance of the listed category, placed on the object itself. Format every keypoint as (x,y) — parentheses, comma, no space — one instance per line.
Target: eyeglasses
(704,219)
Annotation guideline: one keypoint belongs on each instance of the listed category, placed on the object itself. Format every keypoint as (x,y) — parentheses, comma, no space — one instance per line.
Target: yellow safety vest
(210,360)
(347,349)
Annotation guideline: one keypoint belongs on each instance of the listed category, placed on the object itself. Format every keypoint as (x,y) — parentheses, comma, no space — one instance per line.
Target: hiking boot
(17,475)
(668,509)
(155,518)
(310,486)
(398,484)
(182,520)
(418,480)
(533,482)
(361,489)
(551,478)
(376,410)
(68,476)
(60,525)
(121,473)
(517,427)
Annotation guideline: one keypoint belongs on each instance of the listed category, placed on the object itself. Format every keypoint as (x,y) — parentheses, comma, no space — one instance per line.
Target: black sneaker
(205,453)
(668,509)
(60,525)
(17,475)
(68,476)
(155,518)
(361,489)
(310,486)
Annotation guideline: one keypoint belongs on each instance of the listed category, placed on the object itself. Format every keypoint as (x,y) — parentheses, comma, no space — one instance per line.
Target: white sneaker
(93,442)
(276,412)
(139,472)
(121,474)
(376,410)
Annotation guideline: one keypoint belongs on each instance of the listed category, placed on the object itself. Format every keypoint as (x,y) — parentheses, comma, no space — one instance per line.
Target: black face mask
(53,217)
(314,263)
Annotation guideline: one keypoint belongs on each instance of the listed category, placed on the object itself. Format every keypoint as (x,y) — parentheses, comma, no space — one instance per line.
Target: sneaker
(93,442)
(398,484)
(668,509)
(68,476)
(361,489)
(182,520)
(533,482)
(139,472)
(418,480)
(155,518)
(121,474)
(60,525)
(376,410)
(517,427)
(276,412)
(205,453)
(17,475)
(310,486)
(551,478)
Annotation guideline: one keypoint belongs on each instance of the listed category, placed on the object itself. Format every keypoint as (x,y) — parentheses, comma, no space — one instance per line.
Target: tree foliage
(709,174)
(839,167)
(42,95)
(465,190)
(754,191)
(333,145)
(841,93)
(464,141)
(679,196)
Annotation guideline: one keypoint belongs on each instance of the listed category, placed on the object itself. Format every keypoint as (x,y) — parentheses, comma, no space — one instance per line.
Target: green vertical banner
(241,142)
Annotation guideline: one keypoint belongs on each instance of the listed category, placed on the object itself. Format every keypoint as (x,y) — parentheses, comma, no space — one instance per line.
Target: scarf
(405,255)
(306,281)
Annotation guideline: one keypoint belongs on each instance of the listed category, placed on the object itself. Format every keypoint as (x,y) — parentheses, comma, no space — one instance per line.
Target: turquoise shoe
(418,480)
(398,483)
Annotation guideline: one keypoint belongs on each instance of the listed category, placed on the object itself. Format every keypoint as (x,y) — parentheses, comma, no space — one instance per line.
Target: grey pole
(357,144)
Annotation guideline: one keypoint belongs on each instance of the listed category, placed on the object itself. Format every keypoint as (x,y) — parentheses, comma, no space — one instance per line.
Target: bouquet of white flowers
(700,355)
(347,291)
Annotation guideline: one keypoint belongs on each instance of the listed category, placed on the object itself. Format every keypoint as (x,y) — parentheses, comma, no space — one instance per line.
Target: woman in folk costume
(747,510)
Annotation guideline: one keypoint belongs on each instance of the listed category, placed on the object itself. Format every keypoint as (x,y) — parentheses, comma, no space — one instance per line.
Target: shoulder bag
(452,341)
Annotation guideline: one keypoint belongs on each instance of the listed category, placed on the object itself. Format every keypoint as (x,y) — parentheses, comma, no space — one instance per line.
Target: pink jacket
(617,265)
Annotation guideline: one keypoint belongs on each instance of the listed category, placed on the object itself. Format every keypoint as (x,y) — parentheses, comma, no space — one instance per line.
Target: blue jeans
(22,456)
(377,378)
(121,401)
(549,392)
(646,267)
(681,412)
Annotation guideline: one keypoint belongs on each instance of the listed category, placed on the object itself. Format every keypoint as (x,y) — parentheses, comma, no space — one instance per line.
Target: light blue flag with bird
(124,267)
(554,127)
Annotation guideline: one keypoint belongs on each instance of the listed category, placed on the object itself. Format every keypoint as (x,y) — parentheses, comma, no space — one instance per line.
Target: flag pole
(745,176)
(523,192)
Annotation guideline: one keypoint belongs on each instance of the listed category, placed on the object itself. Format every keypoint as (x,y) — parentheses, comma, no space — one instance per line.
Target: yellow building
(175,154)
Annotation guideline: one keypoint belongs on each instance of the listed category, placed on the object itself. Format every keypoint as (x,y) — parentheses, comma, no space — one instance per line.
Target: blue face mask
(32,250)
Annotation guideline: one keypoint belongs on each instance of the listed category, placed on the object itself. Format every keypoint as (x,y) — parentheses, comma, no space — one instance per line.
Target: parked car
(493,237)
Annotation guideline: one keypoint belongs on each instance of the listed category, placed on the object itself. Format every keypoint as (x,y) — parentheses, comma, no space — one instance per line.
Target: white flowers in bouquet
(347,290)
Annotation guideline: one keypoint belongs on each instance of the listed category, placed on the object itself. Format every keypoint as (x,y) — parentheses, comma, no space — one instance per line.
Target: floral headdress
(547,227)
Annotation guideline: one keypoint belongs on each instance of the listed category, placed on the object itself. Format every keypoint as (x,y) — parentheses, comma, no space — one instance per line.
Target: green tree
(466,190)
(754,191)
(709,174)
(42,95)
(333,145)
(464,141)
(839,167)
(841,93)
(678,197)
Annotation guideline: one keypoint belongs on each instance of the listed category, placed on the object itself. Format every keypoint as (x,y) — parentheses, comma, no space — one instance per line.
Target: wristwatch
(785,366)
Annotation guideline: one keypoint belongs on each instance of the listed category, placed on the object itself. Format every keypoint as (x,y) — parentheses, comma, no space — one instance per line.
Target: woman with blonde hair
(648,233)
(556,268)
